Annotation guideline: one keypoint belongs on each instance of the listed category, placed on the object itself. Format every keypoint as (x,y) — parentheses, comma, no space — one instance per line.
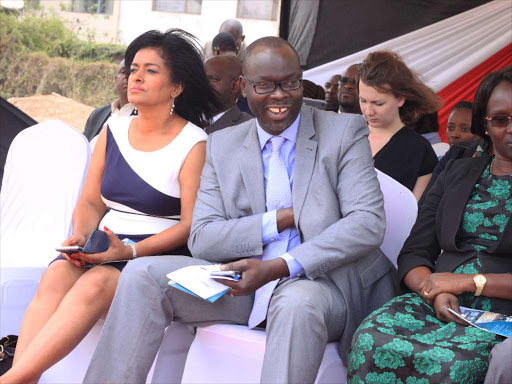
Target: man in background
(224,72)
(235,29)
(348,96)
(224,45)
(331,94)
(120,107)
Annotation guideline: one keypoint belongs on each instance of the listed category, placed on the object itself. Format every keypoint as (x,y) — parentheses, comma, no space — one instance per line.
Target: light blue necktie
(279,195)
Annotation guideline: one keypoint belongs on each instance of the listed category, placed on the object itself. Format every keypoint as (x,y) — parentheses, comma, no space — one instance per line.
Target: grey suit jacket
(233,116)
(337,202)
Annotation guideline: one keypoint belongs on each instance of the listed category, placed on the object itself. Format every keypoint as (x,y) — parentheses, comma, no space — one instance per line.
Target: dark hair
(312,90)
(482,96)
(463,105)
(386,72)
(427,123)
(271,42)
(225,42)
(180,52)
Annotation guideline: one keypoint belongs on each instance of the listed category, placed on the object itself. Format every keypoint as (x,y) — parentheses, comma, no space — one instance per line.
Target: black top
(405,157)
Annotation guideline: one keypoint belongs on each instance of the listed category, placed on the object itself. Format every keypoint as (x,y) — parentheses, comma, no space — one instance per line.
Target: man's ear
(216,52)
(243,86)
(235,85)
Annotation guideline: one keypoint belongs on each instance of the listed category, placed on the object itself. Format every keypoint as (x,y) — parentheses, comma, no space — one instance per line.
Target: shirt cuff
(294,266)
(269,227)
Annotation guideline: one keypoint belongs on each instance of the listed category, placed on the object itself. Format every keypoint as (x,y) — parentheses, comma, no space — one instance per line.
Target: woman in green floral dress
(459,253)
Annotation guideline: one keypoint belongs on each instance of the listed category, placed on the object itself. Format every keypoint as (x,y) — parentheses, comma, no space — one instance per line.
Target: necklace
(492,163)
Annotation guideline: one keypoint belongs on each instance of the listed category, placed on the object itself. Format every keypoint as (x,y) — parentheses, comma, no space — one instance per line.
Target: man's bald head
(224,72)
(235,29)
(267,43)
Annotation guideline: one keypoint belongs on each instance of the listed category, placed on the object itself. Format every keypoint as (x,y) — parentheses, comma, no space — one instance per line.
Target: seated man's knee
(299,302)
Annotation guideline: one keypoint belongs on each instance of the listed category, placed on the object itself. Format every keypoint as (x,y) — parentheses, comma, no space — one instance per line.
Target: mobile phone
(226,275)
(69,249)
(98,242)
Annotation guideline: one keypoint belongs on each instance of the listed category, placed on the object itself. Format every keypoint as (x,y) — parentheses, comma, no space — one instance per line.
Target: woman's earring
(172,109)
(487,132)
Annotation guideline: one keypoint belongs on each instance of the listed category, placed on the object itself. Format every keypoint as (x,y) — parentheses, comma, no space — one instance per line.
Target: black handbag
(7,348)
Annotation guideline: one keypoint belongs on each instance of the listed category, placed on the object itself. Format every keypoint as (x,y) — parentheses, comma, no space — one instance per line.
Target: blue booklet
(487,321)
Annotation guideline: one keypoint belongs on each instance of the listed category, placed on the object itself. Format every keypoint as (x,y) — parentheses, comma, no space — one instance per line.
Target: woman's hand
(449,300)
(115,252)
(74,239)
(438,283)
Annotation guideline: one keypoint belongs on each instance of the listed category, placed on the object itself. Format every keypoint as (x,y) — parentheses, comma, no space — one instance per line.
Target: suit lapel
(251,167)
(463,188)
(305,155)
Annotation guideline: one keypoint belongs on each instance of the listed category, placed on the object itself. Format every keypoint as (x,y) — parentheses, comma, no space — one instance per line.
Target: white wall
(137,17)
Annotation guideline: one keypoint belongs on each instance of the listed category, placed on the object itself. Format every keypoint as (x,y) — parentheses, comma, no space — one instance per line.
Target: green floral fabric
(488,211)
(403,342)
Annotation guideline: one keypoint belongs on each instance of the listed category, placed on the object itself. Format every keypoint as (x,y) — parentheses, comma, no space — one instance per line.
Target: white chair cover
(234,354)
(44,173)
(440,149)
(401,210)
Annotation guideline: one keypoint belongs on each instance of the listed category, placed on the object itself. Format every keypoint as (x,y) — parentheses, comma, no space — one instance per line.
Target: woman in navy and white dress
(145,171)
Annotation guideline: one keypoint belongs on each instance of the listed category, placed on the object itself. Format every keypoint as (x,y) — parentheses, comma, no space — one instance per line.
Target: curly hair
(387,72)
(182,57)
(482,96)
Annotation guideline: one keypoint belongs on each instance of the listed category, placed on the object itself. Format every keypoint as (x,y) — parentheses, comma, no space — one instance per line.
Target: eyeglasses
(347,80)
(269,87)
(499,121)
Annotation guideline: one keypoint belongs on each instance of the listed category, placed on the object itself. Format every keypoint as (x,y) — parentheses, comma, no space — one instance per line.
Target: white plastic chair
(44,174)
(234,354)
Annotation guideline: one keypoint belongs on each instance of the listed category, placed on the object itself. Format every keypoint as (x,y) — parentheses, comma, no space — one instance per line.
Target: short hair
(482,96)
(180,52)
(427,123)
(225,42)
(385,68)
(312,90)
(267,42)
(463,105)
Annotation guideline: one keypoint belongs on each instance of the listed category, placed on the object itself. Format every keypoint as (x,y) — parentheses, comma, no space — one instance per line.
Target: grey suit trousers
(500,364)
(303,316)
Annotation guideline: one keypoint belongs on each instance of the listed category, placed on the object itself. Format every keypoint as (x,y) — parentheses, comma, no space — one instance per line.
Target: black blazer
(96,121)
(439,221)
(233,116)
(457,151)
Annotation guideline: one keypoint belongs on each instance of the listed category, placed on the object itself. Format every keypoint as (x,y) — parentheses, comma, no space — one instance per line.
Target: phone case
(97,243)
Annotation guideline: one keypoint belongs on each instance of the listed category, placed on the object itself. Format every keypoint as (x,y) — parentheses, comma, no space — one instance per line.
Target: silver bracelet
(134,251)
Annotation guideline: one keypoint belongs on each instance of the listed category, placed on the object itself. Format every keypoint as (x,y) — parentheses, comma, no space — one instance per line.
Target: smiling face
(277,110)
(150,82)
(380,109)
(500,104)
(459,126)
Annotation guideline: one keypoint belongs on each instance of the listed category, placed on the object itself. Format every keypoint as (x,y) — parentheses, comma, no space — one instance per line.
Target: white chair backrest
(93,142)
(44,174)
(440,149)
(401,210)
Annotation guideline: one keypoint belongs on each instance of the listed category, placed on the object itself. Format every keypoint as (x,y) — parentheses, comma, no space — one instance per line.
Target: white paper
(197,279)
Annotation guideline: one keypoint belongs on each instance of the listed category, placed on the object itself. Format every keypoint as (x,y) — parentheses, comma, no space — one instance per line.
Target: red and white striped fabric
(451,56)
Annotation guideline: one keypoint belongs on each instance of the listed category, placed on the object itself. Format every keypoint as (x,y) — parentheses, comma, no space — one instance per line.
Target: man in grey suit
(323,227)
(224,72)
